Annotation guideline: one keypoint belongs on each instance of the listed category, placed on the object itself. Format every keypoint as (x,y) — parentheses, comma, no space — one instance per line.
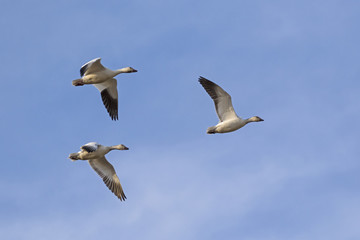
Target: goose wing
(107,172)
(91,67)
(90,147)
(109,96)
(222,99)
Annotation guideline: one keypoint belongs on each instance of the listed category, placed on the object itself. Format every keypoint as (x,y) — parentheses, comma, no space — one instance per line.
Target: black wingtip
(114,117)
(88,149)
(83,70)
(122,197)
(201,78)
(111,105)
(203,81)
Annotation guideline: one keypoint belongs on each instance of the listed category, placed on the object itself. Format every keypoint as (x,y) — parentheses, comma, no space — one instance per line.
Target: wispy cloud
(175,194)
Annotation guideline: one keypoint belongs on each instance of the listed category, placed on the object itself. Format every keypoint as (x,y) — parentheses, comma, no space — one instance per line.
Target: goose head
(255,119)
(129,70)
(119,147)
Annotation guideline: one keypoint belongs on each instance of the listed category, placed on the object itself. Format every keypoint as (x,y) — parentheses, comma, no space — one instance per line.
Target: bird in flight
(228,120)
(93,72)
(95,153)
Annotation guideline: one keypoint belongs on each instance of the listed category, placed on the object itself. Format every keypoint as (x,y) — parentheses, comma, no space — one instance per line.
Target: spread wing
(109,96)
(90,147)
(91,67)
(222,99)
(107,172)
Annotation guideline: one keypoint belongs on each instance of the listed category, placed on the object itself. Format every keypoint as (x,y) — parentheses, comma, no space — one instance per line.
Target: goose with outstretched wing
(228,120)
(95,153)
(93,72)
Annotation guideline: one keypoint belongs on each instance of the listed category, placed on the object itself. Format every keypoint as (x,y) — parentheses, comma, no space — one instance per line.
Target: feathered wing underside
(222,99)
(107,172)
(90,147)
(92,67)
(109,96)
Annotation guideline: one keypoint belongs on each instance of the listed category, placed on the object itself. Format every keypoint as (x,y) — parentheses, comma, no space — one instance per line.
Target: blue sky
(293,63)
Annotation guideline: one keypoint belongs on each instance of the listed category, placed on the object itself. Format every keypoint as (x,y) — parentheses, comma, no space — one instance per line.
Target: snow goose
(95,154)
(229,121)
(93,72)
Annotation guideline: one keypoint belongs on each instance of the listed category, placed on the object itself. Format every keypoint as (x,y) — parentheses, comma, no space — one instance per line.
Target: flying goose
(95,154)
(229,121)
(93,72)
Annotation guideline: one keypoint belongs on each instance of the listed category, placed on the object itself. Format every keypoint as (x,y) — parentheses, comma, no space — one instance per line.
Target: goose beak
(124,147)
(261,120)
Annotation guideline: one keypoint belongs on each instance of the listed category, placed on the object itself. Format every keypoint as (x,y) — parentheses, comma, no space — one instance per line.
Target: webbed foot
(78,82)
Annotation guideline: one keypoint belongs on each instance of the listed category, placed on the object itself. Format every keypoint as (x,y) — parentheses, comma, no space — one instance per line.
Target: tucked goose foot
(211,130)
(78,82)
(74,156)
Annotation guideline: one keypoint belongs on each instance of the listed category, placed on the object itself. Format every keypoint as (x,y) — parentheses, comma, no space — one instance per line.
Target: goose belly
(229,126)
(98,77)
(86,155)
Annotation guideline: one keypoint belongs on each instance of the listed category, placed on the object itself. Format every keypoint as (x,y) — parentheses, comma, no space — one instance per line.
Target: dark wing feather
(91,67)
(90,147)
(111,104)
(83,70)
(107,172)
(109,96)
(222,99)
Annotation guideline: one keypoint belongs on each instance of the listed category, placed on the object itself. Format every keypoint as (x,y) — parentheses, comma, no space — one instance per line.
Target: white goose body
(95,153)
(230,125)
(228,120)
(92,150)
(93,72)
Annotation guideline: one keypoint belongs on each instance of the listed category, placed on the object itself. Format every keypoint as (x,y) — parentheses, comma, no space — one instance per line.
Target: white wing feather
(92,67)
